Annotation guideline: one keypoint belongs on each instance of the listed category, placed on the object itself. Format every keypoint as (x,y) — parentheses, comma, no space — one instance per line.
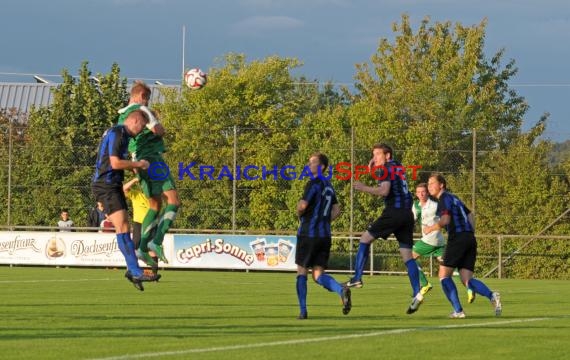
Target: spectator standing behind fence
(97,215)
(397,218)
(461,249)
(316,209)
(107,225)
(65,224)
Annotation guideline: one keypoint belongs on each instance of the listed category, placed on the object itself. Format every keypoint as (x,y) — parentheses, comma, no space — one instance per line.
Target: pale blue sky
(329,36)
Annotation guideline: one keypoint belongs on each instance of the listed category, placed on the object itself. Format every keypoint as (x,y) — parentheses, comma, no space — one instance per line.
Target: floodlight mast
(183,48)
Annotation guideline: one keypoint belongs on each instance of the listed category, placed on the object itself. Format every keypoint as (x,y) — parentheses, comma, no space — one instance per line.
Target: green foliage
(57,163)
(423,90)
(13,139)
(255,107)
(519,181)
(431,94)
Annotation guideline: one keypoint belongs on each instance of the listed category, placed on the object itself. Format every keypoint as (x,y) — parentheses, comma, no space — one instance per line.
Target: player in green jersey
(156,182)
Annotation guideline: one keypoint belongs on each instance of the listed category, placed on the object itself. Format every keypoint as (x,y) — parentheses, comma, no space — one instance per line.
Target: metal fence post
(372,258)
(9,203)
(500,265)
(234,182)
(474,172)
(351,220)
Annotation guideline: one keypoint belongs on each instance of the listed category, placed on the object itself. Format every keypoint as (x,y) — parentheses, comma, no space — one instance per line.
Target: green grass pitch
(75,313)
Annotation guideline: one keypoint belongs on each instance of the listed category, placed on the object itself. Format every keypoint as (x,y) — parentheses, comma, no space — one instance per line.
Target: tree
(426,90)
(62,147)
(14,140)
(519,193)
(257,106)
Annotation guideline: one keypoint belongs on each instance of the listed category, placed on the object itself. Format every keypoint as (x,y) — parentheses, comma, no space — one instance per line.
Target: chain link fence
(231,185)
(216,195)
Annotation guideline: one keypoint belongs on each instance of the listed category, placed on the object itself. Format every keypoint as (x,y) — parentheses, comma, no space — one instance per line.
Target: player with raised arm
(149,145)
(397,218)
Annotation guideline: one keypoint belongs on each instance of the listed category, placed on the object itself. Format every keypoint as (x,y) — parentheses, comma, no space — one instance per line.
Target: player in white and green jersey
(432,244)
(149,145)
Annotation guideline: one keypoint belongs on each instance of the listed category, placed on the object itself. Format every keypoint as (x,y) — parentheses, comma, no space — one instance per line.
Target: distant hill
(560,153)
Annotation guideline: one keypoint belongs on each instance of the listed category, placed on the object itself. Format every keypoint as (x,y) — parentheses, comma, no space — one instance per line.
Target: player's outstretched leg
(329,283)
(480,288)
(164,224)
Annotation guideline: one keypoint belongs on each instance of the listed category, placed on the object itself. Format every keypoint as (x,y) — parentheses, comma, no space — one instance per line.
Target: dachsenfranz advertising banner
(182,250)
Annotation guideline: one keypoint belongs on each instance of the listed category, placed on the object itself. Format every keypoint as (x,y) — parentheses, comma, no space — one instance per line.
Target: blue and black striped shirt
(115,142)
(449,204)
(399,196)
(316,220)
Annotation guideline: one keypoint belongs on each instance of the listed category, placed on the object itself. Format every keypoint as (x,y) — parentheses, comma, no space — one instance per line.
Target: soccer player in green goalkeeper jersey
(149,145)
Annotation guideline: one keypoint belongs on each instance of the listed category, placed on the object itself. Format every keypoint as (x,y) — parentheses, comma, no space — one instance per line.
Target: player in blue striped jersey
(107,187)
(316,209)
(461,249)
(397,218)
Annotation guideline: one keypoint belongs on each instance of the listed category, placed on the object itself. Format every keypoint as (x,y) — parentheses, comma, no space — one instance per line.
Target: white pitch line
(51,280)
(314,340)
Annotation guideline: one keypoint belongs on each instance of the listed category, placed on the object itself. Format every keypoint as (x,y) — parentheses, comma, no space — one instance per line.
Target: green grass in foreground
(60,313)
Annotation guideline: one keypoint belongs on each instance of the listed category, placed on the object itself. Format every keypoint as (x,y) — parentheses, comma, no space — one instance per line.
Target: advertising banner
(267,252)
(210,251)
(60,248)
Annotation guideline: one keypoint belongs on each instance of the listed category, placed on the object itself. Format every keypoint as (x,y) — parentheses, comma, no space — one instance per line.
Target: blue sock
(480,288)
(302,292)
(361,258)
(414,275)
(329,283)
(127,247)
(450,290)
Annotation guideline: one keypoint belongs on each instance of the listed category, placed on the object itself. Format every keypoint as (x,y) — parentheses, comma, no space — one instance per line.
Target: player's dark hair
(323,159)
(386,149)
(440,179)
